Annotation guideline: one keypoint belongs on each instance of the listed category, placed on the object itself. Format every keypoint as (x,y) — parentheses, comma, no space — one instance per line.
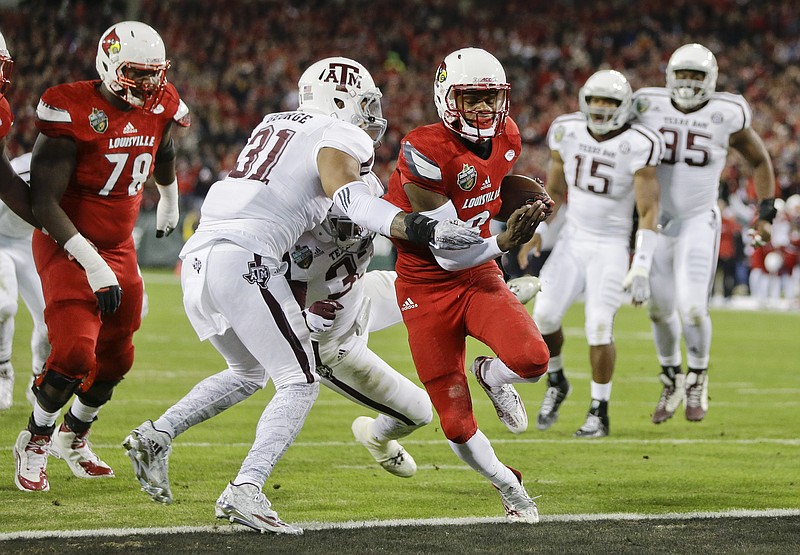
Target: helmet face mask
(602,118)
(6,67)
(343,89)
(471,94)
(348,236)
(131,61)
(689,92)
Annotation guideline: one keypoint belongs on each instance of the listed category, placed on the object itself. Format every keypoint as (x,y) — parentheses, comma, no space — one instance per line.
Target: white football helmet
(132,62)
(6,67)
(465,71)
(348,235)
(343,89)
(689,93)
(606,84)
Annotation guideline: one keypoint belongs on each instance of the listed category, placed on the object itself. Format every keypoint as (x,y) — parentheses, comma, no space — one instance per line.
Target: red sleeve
(419,161)
(6,118)
(53,117)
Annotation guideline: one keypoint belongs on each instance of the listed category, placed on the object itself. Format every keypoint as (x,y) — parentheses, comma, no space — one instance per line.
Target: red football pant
(84,345)
(440,315)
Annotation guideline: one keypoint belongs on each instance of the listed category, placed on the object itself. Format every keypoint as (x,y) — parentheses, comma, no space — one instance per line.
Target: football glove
(101,277)
(525,288)
(445,235)
(637,283)
(167,213)
(321,315)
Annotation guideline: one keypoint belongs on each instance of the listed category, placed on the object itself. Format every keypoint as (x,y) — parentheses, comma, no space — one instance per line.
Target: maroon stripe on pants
(286,329)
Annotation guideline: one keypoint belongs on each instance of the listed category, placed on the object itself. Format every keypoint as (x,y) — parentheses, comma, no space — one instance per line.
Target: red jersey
(115,156)
(435,159)
(6,117)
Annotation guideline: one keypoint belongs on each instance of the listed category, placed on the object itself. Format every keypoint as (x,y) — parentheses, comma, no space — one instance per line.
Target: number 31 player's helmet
(606,84)
(132,62)
(6,66)
(343,89)
(471,94)
(688,93)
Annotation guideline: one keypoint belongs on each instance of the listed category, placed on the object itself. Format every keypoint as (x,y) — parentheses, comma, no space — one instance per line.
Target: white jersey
(696,147)
(12,225)
(599,174)
(274,194)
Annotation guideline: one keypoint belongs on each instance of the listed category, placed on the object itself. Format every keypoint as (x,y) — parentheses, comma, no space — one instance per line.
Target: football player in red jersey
(453,169)
(99,142)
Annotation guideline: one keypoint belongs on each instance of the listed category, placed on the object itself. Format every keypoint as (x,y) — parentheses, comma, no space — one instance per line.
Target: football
(518,190)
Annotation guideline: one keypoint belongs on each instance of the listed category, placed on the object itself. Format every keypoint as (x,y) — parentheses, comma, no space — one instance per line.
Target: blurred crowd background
(236,60)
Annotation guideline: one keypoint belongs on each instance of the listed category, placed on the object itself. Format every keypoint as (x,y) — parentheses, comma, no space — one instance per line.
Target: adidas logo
(408,304)
(486,184)
(129,128)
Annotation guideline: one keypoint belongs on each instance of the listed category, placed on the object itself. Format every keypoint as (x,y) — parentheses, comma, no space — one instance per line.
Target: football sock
(82,412)
(556,364)
(208,398)
(478,453)
(279,424)
(386,428)
(44,419)
(496,374)
(671,371)
(698,370)
(601,391)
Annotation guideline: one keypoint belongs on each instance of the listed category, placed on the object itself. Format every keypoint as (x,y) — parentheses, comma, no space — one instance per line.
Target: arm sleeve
(365,209)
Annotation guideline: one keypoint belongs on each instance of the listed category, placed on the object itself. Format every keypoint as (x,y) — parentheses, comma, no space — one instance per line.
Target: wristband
(767,210)
(420,229)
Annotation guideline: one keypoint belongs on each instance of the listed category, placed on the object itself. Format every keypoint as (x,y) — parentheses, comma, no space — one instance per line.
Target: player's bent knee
(694,315)
(459,430)
(53,389)
(99,394)
(598,333)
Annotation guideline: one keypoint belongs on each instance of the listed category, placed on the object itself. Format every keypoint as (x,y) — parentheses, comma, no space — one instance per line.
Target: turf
(742,456)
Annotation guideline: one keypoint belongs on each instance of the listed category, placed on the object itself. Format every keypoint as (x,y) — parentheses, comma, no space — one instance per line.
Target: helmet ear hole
(339,103)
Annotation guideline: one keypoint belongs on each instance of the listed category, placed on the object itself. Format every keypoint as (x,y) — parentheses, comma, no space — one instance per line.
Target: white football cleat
(390,454)
(30,453)
(75,450)
(696,396)
(525,288)
(507,402)
(245,504)
(518,505)
(149,451)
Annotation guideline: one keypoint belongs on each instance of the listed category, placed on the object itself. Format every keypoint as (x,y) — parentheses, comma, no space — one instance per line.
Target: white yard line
(224,529)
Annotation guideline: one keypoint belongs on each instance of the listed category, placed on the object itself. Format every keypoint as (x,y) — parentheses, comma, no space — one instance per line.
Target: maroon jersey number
(261,153)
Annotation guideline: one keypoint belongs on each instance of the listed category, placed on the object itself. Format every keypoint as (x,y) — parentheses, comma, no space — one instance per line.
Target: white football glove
(637,282)
(321,315)
(167,213)
(525,288)
(454,235)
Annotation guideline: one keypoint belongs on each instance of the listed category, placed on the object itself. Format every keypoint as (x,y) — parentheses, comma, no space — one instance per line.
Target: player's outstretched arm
(341,180)
(167,212)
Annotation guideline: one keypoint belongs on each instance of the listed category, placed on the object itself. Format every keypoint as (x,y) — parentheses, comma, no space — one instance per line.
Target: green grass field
(744,455)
